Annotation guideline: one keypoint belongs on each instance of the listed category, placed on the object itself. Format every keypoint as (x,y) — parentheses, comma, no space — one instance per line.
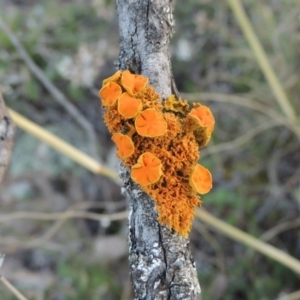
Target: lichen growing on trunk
(159,142)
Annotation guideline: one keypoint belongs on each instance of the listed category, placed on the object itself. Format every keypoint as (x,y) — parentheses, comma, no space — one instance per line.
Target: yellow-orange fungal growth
(147,170)
(176,105)
(114,78)
(150,123)
(113,120)
(201,180)
(110,93)
(133,83)
(202,136)
(203,116)
(201,122)
(124,144)
(166,136)
(129,106)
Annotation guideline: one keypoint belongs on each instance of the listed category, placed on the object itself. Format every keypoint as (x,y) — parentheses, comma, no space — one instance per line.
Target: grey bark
(6,137)
(161,263)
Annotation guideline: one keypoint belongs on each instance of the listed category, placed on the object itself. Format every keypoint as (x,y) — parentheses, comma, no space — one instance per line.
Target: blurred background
(254,155)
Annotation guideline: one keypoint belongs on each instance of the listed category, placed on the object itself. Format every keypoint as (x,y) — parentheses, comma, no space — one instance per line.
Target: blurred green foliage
(78,279)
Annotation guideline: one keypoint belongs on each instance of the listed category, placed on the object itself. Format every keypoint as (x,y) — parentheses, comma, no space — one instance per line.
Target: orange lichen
(133,83)
(129,106)
(114,78)
(202,117)
(201,121)
(166,138)
(113,120)
(202,136)
(147,170)
(110,93)
(201,180)
(124,144)
(150,123)
(176,105)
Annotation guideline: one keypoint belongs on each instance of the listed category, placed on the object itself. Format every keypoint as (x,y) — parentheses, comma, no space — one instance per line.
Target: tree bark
(6,137)
(161,263)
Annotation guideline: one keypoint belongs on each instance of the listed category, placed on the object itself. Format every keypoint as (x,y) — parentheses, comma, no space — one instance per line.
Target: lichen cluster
(159,141)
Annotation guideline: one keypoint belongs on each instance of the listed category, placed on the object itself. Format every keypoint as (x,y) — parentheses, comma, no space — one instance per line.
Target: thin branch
(271,233)
(239,141)
(60,219)
(262,59)
(82,206)
(8,284)
(61,146)
(242,237)
(31,243)
(63,215)
(57,95)
(12,288)
(53,229)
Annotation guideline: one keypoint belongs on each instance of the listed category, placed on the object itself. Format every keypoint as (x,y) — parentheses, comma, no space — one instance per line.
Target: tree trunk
(6,137)
(161,262)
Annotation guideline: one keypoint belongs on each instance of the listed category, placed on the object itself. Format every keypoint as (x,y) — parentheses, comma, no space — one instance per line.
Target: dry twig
(239,141)
(8,285)
(14,244)
(63,215)
(238,235)
(271,233)
(12,288)
(83,159)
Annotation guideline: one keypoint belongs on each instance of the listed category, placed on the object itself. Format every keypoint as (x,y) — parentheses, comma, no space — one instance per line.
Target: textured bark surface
(6,137)
(161,263)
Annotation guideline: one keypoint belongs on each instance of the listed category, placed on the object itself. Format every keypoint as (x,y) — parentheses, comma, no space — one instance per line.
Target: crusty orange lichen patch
(129,106)
(176,105)
(147,170)
(202,116)
(201,121)
(124,144)
(150,123)
(110,93)
(114,78)
(201,180)
(166,138)
(133,83)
